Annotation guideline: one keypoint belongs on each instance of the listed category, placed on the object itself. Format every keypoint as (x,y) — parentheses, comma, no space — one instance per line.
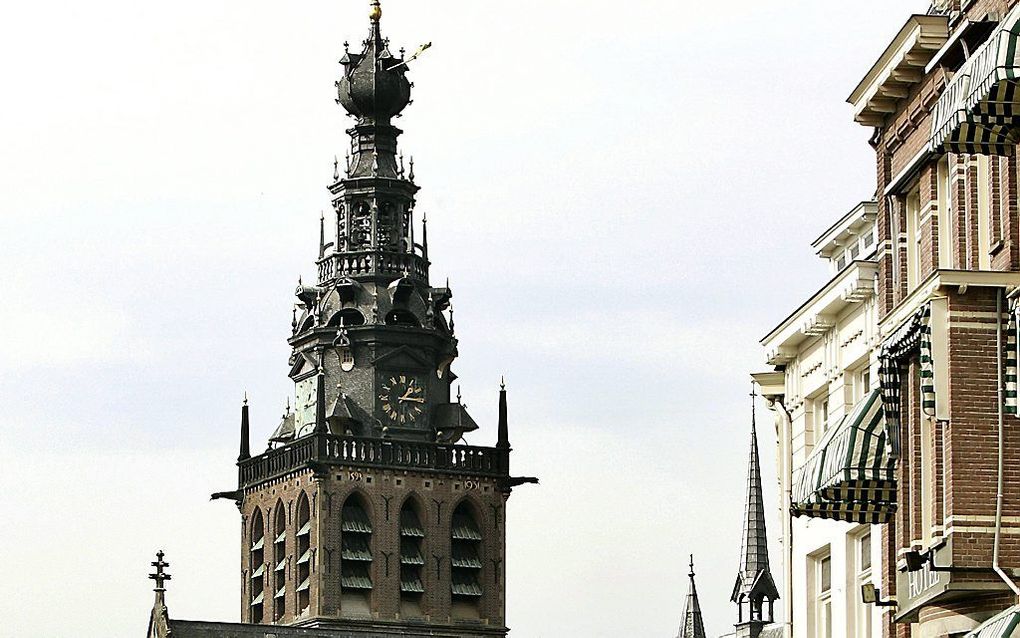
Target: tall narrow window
(279,561)
(945,215)
(257,565)
(355,554)
(862,562)
(304,553)
(824,597)
(412,559)
(465,561)
(927,479)
(913,239)
(984,213)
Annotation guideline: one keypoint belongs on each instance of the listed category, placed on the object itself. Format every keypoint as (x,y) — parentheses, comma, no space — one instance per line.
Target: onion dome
(374,88)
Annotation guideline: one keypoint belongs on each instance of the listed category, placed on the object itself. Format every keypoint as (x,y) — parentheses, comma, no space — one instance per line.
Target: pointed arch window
(279,576)
(257,567)
(355,551)
(304,553)
(412,557)
(465,559)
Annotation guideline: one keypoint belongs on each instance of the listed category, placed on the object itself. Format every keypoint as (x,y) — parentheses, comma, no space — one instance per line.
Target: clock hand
(419,400)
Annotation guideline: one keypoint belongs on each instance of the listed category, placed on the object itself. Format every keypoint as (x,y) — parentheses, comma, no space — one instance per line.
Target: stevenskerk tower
(367,515)
(754,585)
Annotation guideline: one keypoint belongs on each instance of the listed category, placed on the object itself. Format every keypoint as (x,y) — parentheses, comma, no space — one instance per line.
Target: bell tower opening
(412,559)
(355,556)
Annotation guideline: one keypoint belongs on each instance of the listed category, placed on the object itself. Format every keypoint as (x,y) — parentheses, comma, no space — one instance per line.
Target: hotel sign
(914,589)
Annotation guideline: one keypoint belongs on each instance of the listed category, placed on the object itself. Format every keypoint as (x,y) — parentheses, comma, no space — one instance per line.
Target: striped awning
(975,112)
(1002,625)
(850,474)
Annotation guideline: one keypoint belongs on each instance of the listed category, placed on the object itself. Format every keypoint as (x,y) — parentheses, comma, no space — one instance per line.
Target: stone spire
(245,451)
(692,625)
(503,428)
(754,582)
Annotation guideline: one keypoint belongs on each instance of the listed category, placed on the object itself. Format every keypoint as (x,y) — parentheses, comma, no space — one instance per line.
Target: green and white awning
(1003,625)
(850,474)
(975,113)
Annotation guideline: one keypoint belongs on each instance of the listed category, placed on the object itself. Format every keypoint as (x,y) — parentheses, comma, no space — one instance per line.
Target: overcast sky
(622,194)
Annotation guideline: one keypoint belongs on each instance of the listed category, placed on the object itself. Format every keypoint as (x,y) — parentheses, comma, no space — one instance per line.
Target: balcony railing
(352,264)
(331,449)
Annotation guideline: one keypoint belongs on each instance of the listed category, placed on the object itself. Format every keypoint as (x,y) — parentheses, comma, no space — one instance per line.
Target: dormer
(853,238)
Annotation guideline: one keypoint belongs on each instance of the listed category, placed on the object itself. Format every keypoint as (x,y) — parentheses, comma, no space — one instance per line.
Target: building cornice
(900,66)
(855,284)
(932,286)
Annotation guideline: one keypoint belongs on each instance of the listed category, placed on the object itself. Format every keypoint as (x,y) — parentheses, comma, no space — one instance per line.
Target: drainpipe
(786,449)
(998,493)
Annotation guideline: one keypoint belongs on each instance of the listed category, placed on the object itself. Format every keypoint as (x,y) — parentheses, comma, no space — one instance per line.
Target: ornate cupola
(372,330)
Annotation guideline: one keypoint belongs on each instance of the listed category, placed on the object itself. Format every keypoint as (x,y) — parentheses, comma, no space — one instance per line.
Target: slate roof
(692,625)
(754,577)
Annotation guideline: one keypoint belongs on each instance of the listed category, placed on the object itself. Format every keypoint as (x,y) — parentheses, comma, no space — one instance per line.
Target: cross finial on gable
(160,576)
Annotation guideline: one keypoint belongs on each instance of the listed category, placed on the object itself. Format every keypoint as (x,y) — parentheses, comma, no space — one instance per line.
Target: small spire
(320,396)
(401,160)
(410,175)
(451,316)
(503,432)
(424,233)
(458,393)
(347,46)
(293,317)
(692,625)
(347,159)
(159,575)
(336,168)
(245,452)
(322,234)
(375,163)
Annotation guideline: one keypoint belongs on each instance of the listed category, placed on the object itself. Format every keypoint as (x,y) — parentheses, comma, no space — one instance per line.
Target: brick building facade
(936,473)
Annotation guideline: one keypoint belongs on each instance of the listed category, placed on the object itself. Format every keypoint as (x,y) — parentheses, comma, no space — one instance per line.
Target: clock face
(402,398)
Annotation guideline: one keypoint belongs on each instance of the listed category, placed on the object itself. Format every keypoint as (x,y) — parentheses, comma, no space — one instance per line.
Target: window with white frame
(945,213)
(823,596)
(822,415)
(984,210)
(861,545)
(913,211)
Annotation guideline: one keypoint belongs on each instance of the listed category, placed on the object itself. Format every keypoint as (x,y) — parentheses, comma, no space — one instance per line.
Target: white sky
(622,194)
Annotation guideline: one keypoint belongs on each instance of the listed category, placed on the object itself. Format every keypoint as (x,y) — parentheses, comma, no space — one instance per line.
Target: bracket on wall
(871,595)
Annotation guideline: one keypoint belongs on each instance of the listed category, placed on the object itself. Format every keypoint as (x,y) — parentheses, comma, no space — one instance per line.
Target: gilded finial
(376,12)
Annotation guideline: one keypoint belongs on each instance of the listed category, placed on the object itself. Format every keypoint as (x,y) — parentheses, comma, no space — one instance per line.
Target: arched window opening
(355,555)
(304,551)
(465,562)
(412,560)
(257,567)
(402,317)
(348,317)
(279,561)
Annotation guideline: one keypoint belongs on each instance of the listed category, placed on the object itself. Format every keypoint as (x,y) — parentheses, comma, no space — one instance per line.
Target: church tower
(367,512)
(754,586)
